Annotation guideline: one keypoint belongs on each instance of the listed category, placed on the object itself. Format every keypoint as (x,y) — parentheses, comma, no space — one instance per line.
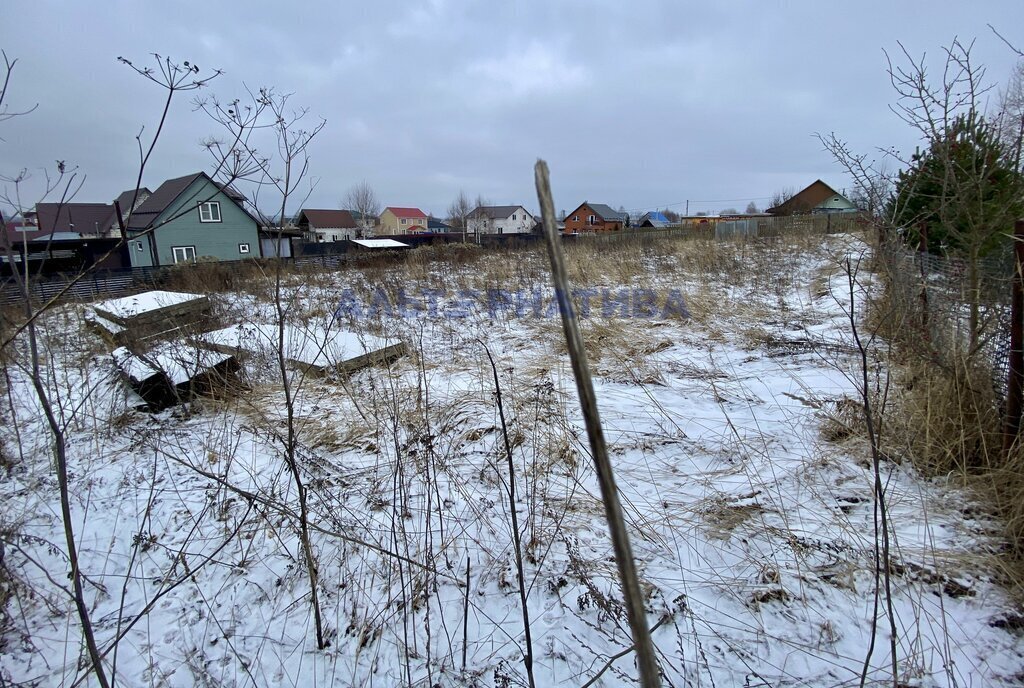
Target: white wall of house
(334,233)
(518,222)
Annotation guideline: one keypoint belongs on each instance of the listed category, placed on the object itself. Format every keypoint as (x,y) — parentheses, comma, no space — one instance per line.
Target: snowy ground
(753,534)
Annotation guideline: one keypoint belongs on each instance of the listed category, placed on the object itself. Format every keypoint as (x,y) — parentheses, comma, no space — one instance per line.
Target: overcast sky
(635,104)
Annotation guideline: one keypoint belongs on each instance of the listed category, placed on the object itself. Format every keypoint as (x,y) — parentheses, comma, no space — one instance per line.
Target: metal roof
(406,212)
(84,218)
(323,219)
(158,201)
(496,212)
(606,212)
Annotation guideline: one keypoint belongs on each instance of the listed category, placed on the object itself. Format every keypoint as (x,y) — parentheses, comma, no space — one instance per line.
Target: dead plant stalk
(648,664)
(528,655)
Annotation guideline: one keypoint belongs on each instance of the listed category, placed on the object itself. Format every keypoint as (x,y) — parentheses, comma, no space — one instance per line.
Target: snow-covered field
(754,535)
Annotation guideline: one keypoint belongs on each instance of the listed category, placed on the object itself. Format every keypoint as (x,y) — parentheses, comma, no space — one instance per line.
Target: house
(500,219)
(89,219)
(86,219)
(327,225)
(538,226)
(819,197)
(653,219)
(64,252)
(595,217)
(22,229)
(276,241)
(402,221)
(436,226)
(364,221)
(128,201)
(188,218)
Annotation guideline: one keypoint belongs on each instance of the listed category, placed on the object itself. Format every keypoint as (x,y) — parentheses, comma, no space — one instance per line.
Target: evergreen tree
(964,188)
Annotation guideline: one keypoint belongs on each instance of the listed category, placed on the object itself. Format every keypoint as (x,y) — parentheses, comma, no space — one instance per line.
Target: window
(184,254)
(209,211)
(575,218)
(243,248)
(591,219)
(513,216)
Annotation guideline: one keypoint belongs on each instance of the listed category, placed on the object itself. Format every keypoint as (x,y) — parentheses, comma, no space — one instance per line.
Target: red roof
(407,212)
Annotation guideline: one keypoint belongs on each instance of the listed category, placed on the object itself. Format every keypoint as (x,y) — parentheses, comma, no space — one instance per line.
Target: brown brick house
(594,217)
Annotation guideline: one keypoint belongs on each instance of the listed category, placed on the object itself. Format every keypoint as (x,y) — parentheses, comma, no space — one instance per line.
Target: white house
(500,219)
(326,225)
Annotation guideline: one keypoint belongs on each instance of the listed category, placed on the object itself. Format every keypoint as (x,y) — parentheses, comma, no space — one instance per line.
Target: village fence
(108,283)
(935,295)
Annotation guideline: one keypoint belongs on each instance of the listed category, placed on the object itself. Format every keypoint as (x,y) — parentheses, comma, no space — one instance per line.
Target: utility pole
(687,213)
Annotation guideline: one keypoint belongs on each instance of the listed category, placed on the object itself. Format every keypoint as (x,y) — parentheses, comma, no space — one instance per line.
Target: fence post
(922,248)
(1015,365)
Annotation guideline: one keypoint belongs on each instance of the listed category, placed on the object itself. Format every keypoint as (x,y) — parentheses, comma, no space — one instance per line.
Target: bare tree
(782,196)
(481,222)
(362,200)
(1010,117)
(174,78)
(751,208)
(281,177)
(458,213)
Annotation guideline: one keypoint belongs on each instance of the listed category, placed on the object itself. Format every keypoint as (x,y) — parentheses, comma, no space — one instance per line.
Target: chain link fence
(951,306)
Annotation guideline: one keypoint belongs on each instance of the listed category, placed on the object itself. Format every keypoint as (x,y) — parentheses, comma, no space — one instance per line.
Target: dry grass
(943,415)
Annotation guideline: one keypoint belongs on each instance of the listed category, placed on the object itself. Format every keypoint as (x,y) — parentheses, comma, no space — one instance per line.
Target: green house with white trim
(188,219)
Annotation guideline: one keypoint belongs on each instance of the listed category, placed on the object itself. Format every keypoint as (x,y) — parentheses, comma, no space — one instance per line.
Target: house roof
(84,218)
(434,223)
(125,198)
(58,236)
(606,212)
(407,212)
(168,192)
(807,199)
(603,211)
(267,232)
(322,219)
(158,201)
(495,212)
(654,217)
(20,229)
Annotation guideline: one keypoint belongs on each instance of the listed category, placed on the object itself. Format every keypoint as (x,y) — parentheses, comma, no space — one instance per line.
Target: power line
(696,201)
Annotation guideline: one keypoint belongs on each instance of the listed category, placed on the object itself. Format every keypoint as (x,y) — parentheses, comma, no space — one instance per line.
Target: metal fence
(86,287)
(952,305)
(109,283)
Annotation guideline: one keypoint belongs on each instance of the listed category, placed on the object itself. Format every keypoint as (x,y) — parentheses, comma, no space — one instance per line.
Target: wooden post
(650,676)
(922,249)
(1015,365)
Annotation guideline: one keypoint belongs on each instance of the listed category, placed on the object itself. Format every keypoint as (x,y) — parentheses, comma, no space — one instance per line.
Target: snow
(109,326)
(130,306)
(753,535)
(179,361)
(316,345)
(380,243)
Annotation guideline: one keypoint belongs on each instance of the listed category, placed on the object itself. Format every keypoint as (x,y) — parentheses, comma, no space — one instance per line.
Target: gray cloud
(638,104)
